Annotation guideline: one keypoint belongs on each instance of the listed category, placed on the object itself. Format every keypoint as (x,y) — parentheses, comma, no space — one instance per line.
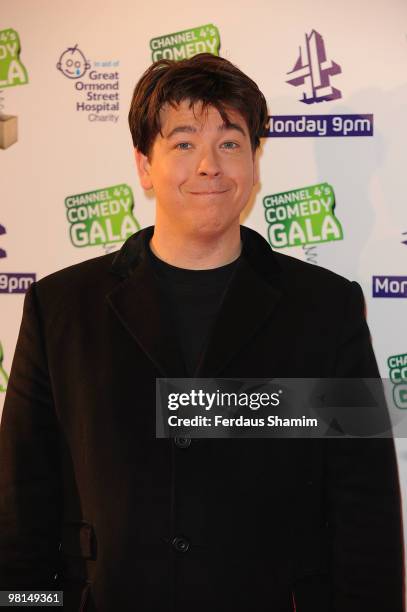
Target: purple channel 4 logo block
(390,286)
(302,126)
(2,231)
(313,71)
(16,282)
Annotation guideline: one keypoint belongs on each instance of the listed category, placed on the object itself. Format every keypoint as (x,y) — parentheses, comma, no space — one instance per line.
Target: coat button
(182,442)
(180,544)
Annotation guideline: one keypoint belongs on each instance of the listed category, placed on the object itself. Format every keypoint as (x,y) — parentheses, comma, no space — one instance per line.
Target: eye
(183,146)
(77,64)
(69,62)
(230,145)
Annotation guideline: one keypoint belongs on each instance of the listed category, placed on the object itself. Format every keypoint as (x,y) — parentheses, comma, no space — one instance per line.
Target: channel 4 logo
(313,71)
(2,231)
(390,286)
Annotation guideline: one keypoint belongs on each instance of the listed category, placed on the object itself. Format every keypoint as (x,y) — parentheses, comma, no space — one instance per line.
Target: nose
(209,163)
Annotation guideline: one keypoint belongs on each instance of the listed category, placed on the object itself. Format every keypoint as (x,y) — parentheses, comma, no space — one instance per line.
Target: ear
(143,169)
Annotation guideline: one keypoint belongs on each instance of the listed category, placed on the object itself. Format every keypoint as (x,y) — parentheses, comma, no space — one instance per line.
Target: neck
(196,252)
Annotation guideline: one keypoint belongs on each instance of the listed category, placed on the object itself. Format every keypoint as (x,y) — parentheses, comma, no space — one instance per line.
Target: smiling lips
(211,192)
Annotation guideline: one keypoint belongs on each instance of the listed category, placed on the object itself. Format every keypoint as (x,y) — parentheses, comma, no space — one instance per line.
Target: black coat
(92,503)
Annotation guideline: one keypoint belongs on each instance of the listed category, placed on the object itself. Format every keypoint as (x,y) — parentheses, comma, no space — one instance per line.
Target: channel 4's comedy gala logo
(96,84)
(302,217)
(102,217)
(12,73)
(186,44)
(3,373)
(398,376)
(12,70)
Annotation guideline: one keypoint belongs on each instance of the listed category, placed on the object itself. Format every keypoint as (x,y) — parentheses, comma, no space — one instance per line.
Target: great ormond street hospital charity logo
(73,63)
(313,71)
(95,84)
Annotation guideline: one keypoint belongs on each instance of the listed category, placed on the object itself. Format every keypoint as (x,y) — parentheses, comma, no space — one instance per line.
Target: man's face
(202,171)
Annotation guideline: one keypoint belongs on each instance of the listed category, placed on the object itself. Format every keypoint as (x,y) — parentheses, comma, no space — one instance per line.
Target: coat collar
(253,292)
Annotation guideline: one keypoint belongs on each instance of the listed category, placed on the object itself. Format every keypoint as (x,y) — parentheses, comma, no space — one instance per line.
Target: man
(94,504)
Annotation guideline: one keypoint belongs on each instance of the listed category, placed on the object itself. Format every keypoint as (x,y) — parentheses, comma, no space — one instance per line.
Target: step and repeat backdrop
(332,166)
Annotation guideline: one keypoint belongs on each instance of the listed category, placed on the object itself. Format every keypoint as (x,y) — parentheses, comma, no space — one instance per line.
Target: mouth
(211,192)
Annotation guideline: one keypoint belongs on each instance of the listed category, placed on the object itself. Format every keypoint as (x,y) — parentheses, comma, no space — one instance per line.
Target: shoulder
(79,273)
(318,292)
(309,292)
(76,282)
(317,287)
(290,271)
(82,286)
(306,274)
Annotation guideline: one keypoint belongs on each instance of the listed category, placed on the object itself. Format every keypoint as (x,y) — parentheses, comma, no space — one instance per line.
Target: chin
(212,228)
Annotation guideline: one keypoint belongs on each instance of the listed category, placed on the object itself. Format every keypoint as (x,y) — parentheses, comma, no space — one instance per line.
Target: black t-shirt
(194,298)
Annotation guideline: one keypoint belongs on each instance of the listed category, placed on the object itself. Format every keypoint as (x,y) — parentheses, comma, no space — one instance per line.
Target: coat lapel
(141,307)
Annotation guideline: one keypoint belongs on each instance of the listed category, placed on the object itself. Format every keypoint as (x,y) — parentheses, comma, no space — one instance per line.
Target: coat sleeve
(30,481)
(363,495)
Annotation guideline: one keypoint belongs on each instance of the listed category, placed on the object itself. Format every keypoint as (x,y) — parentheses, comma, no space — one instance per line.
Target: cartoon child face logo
(73,63)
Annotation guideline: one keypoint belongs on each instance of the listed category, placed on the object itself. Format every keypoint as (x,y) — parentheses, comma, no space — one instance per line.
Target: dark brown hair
(205,78)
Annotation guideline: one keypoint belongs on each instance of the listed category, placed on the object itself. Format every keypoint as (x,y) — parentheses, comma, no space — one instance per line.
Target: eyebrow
(190,129)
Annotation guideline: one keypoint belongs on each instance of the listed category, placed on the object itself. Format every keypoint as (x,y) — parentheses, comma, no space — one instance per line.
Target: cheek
(168,181)
(174,175)
(244,178)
